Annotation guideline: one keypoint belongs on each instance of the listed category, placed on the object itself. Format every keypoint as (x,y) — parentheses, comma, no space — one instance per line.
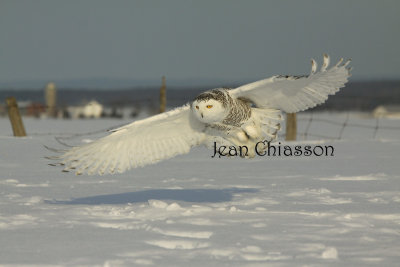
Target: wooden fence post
(163,97)
(15,117)
(291,127)
(51,99)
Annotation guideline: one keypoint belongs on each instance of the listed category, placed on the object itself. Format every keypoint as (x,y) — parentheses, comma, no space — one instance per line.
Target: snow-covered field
(194,210)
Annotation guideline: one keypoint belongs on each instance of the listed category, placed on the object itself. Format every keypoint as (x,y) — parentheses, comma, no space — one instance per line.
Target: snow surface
(197,211)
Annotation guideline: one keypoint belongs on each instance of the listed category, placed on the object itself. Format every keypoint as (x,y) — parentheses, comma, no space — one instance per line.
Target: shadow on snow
(188,195)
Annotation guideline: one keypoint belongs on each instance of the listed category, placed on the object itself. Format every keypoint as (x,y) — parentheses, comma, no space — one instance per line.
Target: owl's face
(209,111)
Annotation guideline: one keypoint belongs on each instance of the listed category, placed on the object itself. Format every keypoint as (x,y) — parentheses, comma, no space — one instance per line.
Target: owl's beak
(202,115)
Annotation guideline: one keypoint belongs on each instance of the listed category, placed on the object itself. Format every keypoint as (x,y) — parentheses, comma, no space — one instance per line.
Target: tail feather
(270,122)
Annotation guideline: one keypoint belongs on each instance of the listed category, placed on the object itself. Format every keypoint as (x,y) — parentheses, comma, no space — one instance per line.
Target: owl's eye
(197,107)
(209,106)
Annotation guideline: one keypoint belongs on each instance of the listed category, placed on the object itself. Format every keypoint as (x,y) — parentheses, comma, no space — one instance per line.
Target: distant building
(35,109)
(31,109)
(389,111)
(93,109)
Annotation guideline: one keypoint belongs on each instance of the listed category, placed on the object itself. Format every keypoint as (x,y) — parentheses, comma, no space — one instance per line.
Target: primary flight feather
(241,116)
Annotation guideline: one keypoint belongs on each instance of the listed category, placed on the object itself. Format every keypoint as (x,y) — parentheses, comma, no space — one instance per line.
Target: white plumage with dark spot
(241,116)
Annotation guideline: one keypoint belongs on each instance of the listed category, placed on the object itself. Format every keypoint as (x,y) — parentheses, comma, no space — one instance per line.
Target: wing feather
(293,94)
(138,144)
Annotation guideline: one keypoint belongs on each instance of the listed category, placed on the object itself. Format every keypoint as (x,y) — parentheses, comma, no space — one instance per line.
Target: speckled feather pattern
(250,111)
(239,109)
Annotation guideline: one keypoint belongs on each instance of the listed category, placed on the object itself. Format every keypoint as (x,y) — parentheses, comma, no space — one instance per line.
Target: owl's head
(210,107)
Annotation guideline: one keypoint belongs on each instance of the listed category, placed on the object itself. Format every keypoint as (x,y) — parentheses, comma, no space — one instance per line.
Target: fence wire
(305,122)
(342,126)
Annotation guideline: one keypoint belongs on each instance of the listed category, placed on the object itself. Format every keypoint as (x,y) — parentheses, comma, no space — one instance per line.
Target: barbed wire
(308,118)
(73,135)
(350,124)
(343,126)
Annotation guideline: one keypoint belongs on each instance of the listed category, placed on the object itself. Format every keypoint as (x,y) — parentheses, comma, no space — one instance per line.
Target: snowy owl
(236,117)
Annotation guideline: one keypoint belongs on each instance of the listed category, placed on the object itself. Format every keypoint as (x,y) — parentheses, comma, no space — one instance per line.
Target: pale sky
(194,40)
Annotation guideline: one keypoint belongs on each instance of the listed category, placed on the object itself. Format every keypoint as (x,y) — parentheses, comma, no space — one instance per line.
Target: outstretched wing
(294,93)
(137,144)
